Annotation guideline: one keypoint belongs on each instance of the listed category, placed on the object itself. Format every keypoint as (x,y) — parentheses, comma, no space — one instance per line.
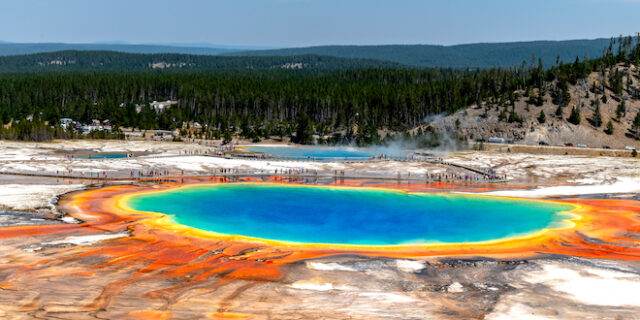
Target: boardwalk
(474,175)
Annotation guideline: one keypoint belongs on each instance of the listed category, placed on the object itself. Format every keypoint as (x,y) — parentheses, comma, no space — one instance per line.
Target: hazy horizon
(303,23)
(226,46)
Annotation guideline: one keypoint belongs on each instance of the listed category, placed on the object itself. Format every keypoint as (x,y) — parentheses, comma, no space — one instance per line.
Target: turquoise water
(349,215)
(319,152)
(103,155)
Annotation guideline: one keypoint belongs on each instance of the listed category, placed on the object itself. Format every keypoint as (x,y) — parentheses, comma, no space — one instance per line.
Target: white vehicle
(629,148)
(65,122)
(582,145)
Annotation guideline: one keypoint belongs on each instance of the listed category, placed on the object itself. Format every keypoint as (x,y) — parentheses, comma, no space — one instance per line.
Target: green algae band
(357,216)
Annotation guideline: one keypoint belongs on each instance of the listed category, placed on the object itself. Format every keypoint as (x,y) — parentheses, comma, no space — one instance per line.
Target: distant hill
(8,48)
(211,45)
(118,61)
(480,55)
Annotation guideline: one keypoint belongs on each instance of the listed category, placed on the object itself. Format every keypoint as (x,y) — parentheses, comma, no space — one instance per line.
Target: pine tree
(574,118)
(502,116)
(304,131)
(621,110)
(559,112)
(566,97)
(636,125)
(597,117)
(542,118)
(514,117)
(227,137)
(609,129)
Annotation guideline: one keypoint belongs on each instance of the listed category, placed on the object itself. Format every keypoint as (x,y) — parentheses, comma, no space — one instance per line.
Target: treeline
(263,102)
(391,98)
(38,130)
(73,60)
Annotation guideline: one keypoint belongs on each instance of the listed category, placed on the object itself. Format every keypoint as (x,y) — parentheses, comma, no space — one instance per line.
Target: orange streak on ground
(227,315)
(149,314)
(162,250)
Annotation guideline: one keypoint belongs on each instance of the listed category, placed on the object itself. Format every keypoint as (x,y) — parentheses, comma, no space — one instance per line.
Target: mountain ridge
(9,48)
(473,55)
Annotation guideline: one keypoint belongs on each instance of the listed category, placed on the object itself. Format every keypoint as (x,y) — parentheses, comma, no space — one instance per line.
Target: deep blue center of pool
(361,216)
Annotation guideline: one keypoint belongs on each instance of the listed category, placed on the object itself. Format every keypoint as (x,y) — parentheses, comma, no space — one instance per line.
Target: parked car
(606,147)
(542,143)
(629,148)
(568,144)
(582,145)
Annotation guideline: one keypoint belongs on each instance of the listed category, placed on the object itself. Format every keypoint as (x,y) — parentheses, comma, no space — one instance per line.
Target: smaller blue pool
(315,152)
(101,155)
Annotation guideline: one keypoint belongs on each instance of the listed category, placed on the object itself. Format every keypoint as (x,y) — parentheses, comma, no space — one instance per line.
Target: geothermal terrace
(79,239)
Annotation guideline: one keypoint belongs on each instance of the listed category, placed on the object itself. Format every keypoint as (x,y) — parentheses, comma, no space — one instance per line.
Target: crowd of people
(466,177)
(433,176)
(218,151)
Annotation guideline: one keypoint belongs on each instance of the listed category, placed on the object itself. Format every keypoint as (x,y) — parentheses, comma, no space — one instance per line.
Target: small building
(159,106)
(88,128)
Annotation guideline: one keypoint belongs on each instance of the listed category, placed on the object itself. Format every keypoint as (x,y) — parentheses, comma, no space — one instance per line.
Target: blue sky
(281,23)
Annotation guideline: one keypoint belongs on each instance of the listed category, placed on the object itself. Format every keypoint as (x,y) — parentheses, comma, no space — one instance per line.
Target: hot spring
(353,216)
(102,155)
(318,152)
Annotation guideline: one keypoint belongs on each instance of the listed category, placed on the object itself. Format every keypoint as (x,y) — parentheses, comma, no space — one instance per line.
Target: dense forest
(381,97)
(268,102)
(118,61)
